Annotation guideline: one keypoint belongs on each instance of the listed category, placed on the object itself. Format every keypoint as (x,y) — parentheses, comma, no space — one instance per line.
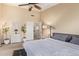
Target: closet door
(30,30)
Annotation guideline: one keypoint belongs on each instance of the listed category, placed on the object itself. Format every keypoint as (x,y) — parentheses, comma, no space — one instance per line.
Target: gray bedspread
(50,47)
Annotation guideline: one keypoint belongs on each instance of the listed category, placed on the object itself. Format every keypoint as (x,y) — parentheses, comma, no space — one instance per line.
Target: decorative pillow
(60,36)
(75,40)
(69,38)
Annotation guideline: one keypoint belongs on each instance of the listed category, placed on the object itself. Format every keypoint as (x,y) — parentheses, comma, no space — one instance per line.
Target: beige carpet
(7,50)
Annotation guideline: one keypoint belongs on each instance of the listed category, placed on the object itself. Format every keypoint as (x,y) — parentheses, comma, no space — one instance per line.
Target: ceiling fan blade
(32,3)
(23,4)
(27,4)
(30,8)
(38,7)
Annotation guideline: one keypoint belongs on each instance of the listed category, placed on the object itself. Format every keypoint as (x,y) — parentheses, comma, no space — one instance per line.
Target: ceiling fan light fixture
(30,9)
(31,6)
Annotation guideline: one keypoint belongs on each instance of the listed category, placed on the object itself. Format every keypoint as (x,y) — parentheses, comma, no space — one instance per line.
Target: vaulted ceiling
(44,6)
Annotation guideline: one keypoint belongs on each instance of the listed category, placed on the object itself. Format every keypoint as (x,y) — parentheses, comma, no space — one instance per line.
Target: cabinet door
(16,38)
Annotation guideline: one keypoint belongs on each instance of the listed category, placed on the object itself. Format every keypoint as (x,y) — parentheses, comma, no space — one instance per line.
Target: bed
(50,47)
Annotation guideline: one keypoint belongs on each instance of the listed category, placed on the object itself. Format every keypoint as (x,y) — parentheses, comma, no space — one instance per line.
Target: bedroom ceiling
(44,6)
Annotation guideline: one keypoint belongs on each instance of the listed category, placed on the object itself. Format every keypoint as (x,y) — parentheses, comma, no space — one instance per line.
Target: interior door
(30,30)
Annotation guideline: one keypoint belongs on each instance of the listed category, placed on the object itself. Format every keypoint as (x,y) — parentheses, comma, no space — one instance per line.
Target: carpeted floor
(8,49)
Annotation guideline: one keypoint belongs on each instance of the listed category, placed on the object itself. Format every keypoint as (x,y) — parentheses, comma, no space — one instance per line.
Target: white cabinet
(16,38)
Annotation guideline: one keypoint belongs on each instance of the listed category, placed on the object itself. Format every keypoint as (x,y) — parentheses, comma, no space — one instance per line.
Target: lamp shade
(44,26)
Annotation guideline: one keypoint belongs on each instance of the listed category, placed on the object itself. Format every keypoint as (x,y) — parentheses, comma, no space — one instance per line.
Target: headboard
(60,36)
(65,37)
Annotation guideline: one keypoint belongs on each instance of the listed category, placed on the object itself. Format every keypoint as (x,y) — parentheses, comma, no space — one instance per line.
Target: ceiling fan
(31,6)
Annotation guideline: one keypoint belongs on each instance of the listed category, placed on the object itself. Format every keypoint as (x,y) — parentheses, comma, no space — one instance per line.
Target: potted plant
(5,32)
(23,29)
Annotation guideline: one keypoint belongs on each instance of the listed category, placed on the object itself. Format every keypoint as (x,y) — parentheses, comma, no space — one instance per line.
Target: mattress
(50,47)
